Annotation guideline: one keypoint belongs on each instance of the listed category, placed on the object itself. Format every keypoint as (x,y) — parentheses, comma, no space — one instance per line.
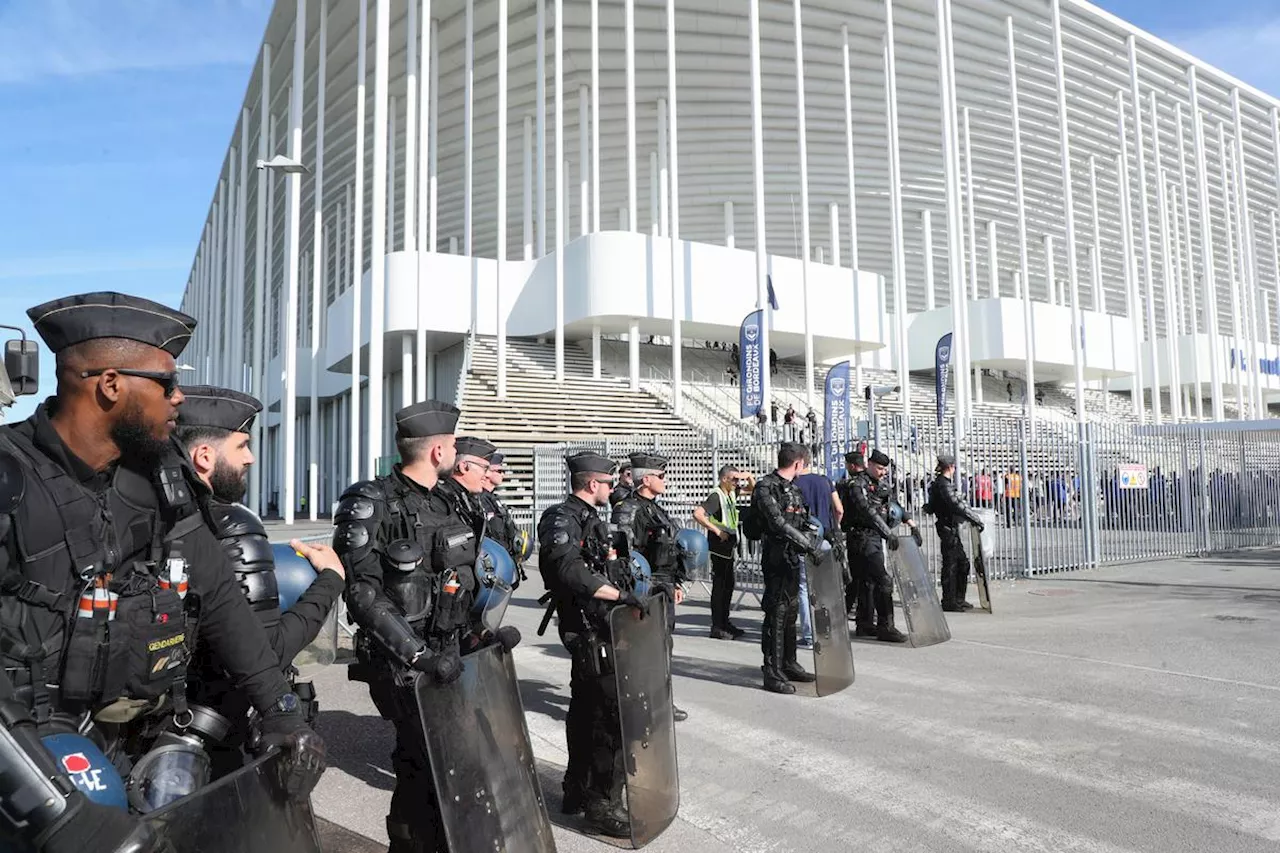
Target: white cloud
(1247,50)
(47,38)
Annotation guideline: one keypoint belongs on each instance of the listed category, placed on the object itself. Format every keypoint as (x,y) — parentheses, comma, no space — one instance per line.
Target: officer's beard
(227,482)
(136,439)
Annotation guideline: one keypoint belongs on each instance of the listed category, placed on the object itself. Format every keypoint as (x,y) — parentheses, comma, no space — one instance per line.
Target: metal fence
(1065,497)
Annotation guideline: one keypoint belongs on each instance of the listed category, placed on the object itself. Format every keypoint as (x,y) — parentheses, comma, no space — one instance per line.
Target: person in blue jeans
(820,496)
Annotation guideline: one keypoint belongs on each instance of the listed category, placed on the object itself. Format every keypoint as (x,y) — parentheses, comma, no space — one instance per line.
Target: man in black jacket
(780,511)
(214,425)
(866,516)
(951,508)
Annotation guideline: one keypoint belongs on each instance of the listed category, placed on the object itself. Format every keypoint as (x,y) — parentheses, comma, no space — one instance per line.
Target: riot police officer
(586,579)
(498,524)
(779,514)
(462,488)
(214,425)
(410,556)
(99,527)
(867,515)
(951,508)
(651,532)
(625,487)
(854,462)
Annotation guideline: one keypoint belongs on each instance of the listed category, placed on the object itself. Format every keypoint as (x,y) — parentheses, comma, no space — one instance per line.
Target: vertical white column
(410,213)
(561,220)
(528,188)
(926,234)
(584,165)
(406,371)
(433,191)
(633,345)
(629,10)
(595,351)
(1170,317)
(971,222)
(1050,271)
(853,202)
(806,257)
(1145,218)
(318,267)
(501,236)
(377,232)
(1248,265)
(242,237)
(1210,291)
(993,261)
(420,236)
(757,167)
(391,175)
(260,280)
(227,253)
(1069,209)
(1022,281)
(540,119)
(357,245)
(1193,315)
(895,214)
(1179,322)
(833,236)
(216,305)
(595,115)
(955,236)
(293,189)
(729,239)
(1275,271)
(655,225)
(468,140)
(1099,302)
(664,212)
(1232,288)
(1132,293)
(671,144)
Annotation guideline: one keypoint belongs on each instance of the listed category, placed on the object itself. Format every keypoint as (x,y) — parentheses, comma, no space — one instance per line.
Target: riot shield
(925,623)
(481,759)
(832,649)
(643,671)
(240,813)
(983,546)
(294,575)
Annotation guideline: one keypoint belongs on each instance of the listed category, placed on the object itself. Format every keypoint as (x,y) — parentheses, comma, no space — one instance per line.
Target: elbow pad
(384,624)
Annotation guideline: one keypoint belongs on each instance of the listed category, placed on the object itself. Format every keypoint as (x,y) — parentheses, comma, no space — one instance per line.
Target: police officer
(462,488)
(99,527)
(625,487)
(410,556)
(498,524)
(783,518)
(951,508)
(855,462)
(867,515)
(651,532)
(585,578)
(214,425)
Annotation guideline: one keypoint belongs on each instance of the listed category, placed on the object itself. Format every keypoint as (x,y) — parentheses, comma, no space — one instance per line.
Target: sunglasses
(168,380)
(661,475)
(599,482)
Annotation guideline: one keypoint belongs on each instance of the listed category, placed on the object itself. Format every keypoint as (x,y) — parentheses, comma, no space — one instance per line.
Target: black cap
(496,459)
(880,457)
(624,466)
(589,462)
(425,419)
(73,320)
(469,445)
(648,462)
(223,408)
(946,460)
(855,457)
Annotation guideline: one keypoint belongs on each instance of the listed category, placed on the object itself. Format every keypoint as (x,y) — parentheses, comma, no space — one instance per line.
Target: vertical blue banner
(751,364)
(835,436)
(941,369)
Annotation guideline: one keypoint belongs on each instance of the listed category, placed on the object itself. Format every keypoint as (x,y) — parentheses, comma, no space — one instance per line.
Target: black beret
(73,320)
(425,419)
(880,457)
(589,462)
(469,445)
(855,457)
(217,407)
(648,462)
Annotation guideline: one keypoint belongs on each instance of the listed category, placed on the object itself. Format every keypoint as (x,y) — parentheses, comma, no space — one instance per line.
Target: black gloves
(301,763)
(915,534)
(892,542)
(508,637)
(630,599)
(447,666)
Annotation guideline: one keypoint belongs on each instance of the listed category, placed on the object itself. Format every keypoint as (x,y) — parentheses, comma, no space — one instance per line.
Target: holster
(593,654)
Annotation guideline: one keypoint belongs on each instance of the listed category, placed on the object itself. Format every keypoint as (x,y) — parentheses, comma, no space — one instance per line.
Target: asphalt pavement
(1123,709)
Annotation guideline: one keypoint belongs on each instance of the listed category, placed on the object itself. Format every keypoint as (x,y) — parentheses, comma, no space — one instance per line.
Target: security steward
(99,530)
(867,517)
(586,580)
(651,532)
(781,517)
(410,559)
(498,524)
(214,425)
(951,509)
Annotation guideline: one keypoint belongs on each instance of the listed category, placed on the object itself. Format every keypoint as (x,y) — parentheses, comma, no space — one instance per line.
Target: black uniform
(620,493)
(576,559)
(410,560)
(780,510)
(92,619)
(866,522)
(951,509)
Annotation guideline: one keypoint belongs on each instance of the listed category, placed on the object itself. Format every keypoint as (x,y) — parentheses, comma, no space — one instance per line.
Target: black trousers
(414,823)
(955,566)
(593,735)
(722,584)
(781,609)
(873,585)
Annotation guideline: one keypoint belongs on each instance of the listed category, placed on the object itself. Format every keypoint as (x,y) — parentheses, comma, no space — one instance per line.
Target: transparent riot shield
(481,759)
(983,546)
(240,813)
(294,575)
(643,670)
(832,649)
(925,623)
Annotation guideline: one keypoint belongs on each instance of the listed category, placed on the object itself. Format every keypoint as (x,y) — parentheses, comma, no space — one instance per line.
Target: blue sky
(117,114)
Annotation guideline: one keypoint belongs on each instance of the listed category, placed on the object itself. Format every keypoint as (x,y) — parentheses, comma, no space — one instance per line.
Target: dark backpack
(750,521)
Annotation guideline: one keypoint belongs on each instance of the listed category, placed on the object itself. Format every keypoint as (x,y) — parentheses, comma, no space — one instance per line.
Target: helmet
(522,545)
(294,575)
(495,572)
(694,554)
(896,513)
(641,573)
(87,768)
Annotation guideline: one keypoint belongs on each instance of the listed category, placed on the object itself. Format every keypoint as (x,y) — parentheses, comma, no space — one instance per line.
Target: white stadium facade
(520,205)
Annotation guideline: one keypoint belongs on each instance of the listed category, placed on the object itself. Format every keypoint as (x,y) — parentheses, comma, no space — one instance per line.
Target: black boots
(775,681)
(609,819)
(793,671)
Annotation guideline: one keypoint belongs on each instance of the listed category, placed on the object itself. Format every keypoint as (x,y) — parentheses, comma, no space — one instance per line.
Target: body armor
(244,541)
(650,531)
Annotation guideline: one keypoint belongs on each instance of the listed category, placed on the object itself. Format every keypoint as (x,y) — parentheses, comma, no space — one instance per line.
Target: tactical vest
(93,609)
